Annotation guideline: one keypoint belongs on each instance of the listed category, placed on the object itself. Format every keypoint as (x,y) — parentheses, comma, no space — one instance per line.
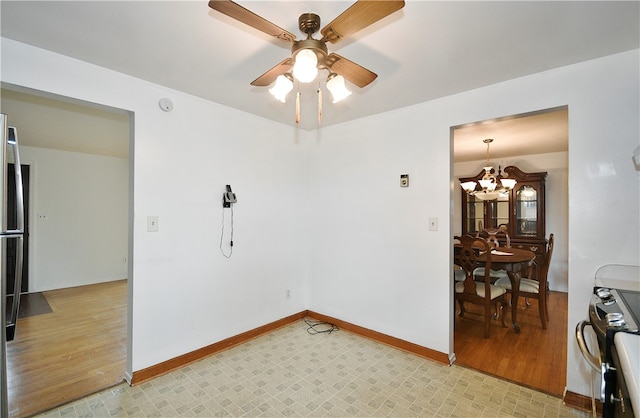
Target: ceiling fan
(309,55)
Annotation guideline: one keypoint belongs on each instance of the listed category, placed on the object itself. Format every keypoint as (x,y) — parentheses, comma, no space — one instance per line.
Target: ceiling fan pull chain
(298,107)
(319,105)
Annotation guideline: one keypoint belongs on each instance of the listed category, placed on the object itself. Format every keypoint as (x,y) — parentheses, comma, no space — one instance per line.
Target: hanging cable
(222,235)
(320,327)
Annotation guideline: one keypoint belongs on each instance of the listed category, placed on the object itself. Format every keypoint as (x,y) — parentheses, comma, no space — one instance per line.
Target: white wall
(376,264)
(341,233)
(556,203)
(184,294)
(375,261)
(78,218)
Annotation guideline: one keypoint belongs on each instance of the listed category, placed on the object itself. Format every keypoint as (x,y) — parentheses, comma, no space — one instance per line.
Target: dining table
(513,261)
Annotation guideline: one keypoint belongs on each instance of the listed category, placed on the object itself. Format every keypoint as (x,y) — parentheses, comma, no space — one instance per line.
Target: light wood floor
(535,358)
(72,352)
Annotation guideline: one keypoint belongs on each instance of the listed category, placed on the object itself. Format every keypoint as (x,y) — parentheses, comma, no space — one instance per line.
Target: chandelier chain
(488,141)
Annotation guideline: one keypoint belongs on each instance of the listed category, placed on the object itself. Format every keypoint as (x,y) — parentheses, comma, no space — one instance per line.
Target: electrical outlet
(288,294)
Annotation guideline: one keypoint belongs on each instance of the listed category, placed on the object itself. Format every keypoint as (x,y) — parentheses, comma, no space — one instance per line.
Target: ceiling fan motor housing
(309,23)
(358,16)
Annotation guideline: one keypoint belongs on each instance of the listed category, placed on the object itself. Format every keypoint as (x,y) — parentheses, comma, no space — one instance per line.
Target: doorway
(78,155)
(535,141)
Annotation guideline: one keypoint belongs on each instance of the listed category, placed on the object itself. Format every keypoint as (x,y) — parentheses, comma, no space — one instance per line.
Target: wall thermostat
(404,180)
(165,104)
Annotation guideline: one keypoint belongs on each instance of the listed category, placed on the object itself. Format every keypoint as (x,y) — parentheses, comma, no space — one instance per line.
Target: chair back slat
(495,237)
(547,261)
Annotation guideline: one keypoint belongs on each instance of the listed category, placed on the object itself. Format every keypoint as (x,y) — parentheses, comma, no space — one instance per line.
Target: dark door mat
(31,304)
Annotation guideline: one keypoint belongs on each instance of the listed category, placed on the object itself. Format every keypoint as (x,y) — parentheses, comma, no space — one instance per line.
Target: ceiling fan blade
(239,13)
(271,75)
(353,72)
(357,17)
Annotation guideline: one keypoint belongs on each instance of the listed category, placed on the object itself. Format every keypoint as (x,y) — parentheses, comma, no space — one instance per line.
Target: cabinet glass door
(499,212)
(475,215)
(526,211)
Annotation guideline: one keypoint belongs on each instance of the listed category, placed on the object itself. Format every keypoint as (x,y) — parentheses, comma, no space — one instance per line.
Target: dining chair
(458,273)
(535,289)
(481,293)
(496,237)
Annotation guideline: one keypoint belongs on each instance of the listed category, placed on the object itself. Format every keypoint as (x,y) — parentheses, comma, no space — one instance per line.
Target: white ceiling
(427,50)
(46,121)
(532,133)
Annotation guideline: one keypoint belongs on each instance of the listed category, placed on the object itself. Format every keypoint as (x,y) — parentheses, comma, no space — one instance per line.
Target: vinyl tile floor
(292,373)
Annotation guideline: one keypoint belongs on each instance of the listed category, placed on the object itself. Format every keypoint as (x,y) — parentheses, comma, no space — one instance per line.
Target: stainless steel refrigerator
(10,233)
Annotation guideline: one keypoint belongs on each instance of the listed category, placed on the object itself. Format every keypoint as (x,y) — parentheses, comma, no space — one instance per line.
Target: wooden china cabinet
(520,212)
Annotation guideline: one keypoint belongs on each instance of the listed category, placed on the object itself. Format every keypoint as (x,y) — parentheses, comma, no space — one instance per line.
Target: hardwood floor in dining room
(535,358)
(76,350)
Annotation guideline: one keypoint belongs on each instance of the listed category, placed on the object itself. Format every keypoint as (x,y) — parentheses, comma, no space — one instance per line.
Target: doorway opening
(534,142)
(81,177)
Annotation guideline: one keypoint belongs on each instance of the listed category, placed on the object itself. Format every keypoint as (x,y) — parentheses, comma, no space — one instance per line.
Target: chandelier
(491,187)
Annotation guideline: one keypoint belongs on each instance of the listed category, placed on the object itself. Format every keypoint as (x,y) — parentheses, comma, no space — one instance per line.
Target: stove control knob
(605,296)
(615,319)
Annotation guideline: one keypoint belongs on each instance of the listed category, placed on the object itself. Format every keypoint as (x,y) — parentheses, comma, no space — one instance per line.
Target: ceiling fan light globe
(335,84)
(281,87)
(305,68)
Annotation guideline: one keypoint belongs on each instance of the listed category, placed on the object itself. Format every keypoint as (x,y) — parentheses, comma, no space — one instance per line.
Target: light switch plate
(404,180)
(152,224)
(433,224)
